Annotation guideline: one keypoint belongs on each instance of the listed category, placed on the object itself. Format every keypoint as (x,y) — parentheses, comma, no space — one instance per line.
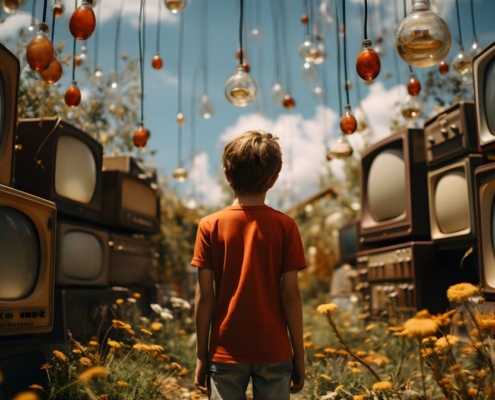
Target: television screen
(349,242)
(394,192)
(27,240)
(130,203)
(485,200)
(484,97)
(82,255)
(452,206)
(9,88)
(59,162)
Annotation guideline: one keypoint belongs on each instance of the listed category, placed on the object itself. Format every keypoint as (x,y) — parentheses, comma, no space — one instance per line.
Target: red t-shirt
(248,248)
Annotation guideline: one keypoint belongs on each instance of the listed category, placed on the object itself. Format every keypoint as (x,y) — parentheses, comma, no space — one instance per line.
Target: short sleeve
(202,247)
(294,257)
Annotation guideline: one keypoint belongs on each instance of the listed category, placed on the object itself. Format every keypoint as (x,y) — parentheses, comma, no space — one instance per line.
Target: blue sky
(306,131)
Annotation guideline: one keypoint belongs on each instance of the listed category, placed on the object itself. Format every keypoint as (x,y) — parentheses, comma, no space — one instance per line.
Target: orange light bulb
(53,73)
(141,136)
(288,102)
(348,123)
(443,68)
(157,62)
(304,19)
(246,66)
(73,95)
(40,51)
(58,9)
(368,64)
(413,86)
(82,23)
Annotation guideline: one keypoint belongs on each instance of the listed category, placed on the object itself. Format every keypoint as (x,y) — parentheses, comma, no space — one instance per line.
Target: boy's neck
(249,199)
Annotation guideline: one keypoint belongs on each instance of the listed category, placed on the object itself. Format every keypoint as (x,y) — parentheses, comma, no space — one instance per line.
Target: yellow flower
(114,344)
(356,371)
(367,340)
(91,373)
(308,345)
(486,321)
(60,355)
(46,366)
(136,295)
(76,351)
(369,327)
(325,377)
(384,385)
(102,397)
(141,347)
(85,362)
(195,396)
(130,331)
(461,292)
(445,342)
(329,350)
(122,384)
(359,397)
(339,388)
(146,332)
(361,353)
(327,308)
(319,355)
(93,343)
(472,392)
(119,301)
(342,353)
(28,395)
(156,347)
(420,327)
(35,386)
(176,366)
(307,335)
(164,357)
(429,340)
(156,326)
(423,314)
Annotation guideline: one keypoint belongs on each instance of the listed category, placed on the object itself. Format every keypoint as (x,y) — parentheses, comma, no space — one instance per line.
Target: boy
(248,306)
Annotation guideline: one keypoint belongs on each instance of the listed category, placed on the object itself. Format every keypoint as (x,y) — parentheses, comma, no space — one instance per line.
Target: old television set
(452,202)
(485,200)
(132,260)
(131,164)
(484,97)
(394,191)
(129,203)
(82,254)
(27,249)
(349,242)
(61,163)
(9,87)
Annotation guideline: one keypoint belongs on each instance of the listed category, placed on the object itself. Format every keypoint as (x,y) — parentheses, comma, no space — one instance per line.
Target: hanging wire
(458,21)
(283,12)
(365,28)
(396,63)
(53,23)
(204,48)
(404,8)
(97,34)
(472,17)
(73,50)
(45,5)
(158,21)
(117,40)
(33,13)
(337,28)
(306,12)
(345,52)
(141,52)
(241,18)
(276,39)
(181,51)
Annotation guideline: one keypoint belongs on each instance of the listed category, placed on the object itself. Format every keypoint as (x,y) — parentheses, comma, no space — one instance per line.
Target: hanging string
(241,18)
(306,12)
(74,51)
(141,53)
(33,13)
(53,23)
(204,48)
(285,48)
(45,5)
(337,28)
(396,63)
(158,21)
(472,17)
(181,46)
(345,52)
(276,40)
(117,39)
(458,21)
(193,114)
(97,31)
(365,19)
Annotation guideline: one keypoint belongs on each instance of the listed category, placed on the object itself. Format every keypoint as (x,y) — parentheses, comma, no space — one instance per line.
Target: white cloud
(207,189)
(11,25)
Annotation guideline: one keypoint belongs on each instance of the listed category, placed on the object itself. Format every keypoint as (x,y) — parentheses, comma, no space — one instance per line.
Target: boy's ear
(227,176)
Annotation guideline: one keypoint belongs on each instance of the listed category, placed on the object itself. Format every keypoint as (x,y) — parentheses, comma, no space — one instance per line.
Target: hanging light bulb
(317,90)
(180,174)
(309,72)
(11,6)
(82,22)
(206,107)
(422,38)
(180,118)
(348,123)
(84,54)
(240,89)
(308,50)
(378,47)
(33,25)
(322,52)
(246,66)
(288,102)
(141,136)
(256,35)
(157,62)
(58,9)
(113,80)
(73,95)
(40,51)
(341,148)
(98,74)
(411,108)
(278,93)
(304,19)
(175,5)
(368,63)
(462,63)
(362,120)
(475,48)
(53,73)
(443,67)
(238,53)
(413,86)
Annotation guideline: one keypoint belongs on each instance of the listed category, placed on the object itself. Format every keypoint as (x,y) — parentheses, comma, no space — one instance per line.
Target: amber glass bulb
(180,174)
(341,148)
(40,51)
(73,95)
(157,62)
(175,5)
(180,118)
(238,54)
(11,6)
(288,102)
(141,136)
(368,63)
(411,108)
(82,23)
(443,68)
(348,123)
(246,67)
(413,86)
(304,19)
(58,9)
(53,73)
(308,51)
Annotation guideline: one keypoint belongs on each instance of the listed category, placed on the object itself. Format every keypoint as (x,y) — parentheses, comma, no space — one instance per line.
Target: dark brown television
(349,242)
(394,190)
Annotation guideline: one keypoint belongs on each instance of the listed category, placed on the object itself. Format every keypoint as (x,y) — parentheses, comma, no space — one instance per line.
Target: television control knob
(454,128)
(444,132)
(431,139)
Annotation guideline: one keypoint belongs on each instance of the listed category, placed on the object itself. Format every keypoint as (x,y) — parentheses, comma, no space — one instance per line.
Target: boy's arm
(204,301)
(292,305)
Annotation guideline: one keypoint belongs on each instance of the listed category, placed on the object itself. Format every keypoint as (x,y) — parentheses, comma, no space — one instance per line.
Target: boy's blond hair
(252,160)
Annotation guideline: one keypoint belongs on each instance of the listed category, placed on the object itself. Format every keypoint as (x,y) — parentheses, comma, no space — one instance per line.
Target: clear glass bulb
(11,6)
(256,35)
(308,50)
(98,73)
(240,89)
(309,72)
(175,5)
(278,94)
(113,80)
(411,108)
(341,147)
(462,63)
(206,107)
(180,174)
(180,118)
(423,38)
(475,48)
(362,120)
(322,53)
(84,53)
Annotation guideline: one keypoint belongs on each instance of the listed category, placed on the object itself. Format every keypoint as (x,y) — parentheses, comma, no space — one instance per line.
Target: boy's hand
(201,376)
(298,375)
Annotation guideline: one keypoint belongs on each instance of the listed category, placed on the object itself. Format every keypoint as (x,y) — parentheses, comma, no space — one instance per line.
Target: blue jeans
(270,380)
